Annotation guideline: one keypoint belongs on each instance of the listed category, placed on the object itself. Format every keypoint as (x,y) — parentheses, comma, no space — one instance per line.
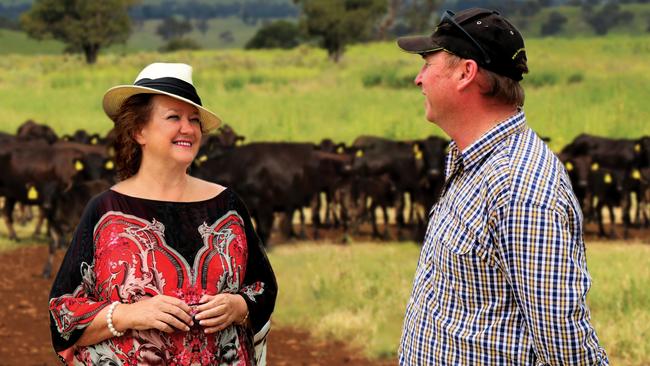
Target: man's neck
(470,124)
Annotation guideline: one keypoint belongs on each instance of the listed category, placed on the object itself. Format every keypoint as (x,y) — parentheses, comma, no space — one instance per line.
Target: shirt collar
(484,145)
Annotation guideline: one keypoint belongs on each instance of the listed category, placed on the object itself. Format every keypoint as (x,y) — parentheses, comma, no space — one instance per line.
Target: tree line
(87,26)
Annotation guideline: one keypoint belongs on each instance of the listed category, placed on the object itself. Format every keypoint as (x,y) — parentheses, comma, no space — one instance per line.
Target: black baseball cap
(478,34)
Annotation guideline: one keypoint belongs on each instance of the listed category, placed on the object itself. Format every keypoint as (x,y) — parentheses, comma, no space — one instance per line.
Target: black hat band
(172,86)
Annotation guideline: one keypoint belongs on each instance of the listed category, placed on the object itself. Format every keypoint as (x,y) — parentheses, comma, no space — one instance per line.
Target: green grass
(358,293)
(18,42)
(591,85)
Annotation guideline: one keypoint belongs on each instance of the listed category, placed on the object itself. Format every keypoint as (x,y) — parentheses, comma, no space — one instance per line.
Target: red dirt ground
(25,336)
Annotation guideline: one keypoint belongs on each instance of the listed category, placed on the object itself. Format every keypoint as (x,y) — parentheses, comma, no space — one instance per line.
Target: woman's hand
(219,311)
(165,313)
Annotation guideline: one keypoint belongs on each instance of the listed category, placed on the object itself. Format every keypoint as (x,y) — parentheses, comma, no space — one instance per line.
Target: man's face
(434,81)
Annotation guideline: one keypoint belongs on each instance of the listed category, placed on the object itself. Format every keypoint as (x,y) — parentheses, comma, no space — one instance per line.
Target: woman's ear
(139,137)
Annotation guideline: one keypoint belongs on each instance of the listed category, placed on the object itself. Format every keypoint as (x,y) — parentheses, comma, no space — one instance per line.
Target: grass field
(592,85)
(358,293)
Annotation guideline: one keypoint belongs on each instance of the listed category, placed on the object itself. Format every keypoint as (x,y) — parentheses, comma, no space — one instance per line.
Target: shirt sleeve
(259,288)
(543,256)
(73,301)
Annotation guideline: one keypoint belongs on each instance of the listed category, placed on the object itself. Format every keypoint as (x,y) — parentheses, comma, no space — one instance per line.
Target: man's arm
(546,266)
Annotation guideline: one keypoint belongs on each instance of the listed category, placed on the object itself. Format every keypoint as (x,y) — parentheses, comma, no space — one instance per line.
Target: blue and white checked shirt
(502,276)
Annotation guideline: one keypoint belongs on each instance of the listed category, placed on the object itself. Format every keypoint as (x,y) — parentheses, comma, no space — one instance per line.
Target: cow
(82,136)
(270,177)
(31,130)
(38,173)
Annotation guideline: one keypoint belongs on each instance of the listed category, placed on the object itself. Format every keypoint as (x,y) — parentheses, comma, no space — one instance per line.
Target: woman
(163,268)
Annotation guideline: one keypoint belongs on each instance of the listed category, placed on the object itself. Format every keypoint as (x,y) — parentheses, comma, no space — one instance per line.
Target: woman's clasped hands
(169,314)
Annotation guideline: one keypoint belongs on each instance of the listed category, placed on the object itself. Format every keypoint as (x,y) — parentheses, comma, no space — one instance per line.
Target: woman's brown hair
(133,114)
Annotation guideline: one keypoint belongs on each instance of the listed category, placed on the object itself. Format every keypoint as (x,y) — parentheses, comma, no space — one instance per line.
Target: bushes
(177,44)
(389,78)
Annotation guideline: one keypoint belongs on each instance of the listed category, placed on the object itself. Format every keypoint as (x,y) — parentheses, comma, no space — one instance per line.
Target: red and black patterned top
(127,248)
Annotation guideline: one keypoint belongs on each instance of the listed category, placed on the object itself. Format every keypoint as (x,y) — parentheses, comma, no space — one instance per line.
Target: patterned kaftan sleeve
(73,299)
(259,289)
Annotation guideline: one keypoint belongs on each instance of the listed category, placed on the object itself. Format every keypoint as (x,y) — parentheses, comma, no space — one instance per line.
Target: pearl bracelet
(109,320)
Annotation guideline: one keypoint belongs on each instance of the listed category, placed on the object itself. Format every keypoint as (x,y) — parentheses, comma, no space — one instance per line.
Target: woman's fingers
(217,324)
(173,322)
(178,313)
(213,312)
(163,327)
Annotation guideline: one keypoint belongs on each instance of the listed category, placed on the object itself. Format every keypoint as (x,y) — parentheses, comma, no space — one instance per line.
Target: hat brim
(418,44)
(115,96)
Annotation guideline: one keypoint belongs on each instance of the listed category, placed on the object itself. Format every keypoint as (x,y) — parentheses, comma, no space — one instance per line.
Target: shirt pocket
(456,237)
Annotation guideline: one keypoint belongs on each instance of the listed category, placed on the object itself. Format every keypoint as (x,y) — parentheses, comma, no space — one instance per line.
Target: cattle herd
(342,185)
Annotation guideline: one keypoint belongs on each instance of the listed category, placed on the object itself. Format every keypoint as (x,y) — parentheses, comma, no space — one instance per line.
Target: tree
(338,23)
(202,25)
(607,17)
(553,24)
(279,34)
(84,25)
(418,14)
(171,28)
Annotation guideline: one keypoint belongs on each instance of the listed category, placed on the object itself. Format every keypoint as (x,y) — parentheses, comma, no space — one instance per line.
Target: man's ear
(467,73)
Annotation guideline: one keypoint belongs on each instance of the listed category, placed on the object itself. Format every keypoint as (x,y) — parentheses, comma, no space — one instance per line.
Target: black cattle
(607,192)
(69,208)
(270,177)
(31,130)
(607,152)
(415,167)
(213,144)
(642,147)
(433,150)
(37,174)
(578,171)
(83,137)
(332,172)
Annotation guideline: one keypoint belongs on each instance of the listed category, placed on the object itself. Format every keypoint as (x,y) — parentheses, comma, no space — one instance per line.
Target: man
(502,276)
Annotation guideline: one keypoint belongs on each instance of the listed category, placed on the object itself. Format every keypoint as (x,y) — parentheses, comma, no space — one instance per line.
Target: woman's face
(173,132)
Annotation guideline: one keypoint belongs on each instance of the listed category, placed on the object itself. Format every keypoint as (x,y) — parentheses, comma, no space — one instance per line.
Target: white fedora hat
(174,80)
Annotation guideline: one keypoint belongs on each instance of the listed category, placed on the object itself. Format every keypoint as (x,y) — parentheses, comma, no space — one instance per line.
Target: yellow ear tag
(78,166)
(109,165)
(636,174)
(608,179)
(418,155)
(637,148)
(339,150)
(203,158)
(595,167)
(94,141)
(569,166)
(32,194)
(359,153)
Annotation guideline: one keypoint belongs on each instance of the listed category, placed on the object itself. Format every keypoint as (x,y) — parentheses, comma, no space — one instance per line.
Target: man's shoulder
(527,169)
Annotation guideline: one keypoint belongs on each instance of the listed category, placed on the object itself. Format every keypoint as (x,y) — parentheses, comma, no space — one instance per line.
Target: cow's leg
(315,219)
(612,221)
(384,211)
(303,231)
(7,211)
(39,222)
(399,209)
(56,241)
(264,224)
(599,218)
(373,218)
